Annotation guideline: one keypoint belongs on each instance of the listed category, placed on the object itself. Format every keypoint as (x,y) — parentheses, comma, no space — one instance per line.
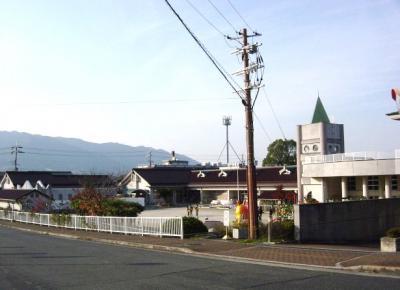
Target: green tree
(117,207)
(281,152)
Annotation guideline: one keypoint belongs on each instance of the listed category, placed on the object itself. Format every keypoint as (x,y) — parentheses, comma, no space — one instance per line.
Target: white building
(61,186)
(327,173)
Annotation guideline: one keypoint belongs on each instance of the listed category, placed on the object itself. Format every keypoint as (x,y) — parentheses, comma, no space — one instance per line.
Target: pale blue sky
(127,71)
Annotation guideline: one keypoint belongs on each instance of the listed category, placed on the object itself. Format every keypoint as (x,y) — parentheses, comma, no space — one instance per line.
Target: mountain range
(71,154)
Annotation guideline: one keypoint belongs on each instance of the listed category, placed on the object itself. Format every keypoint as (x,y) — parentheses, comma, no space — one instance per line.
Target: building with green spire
(326,173)
(320,115)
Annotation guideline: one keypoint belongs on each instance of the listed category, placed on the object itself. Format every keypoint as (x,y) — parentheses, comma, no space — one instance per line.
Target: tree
(281,152)
(88,202)
(117,207)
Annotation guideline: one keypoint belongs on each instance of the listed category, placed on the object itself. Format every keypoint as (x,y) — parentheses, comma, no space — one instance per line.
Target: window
(351,183)
(373,183)
(60,196)
(70,196)
(395,183)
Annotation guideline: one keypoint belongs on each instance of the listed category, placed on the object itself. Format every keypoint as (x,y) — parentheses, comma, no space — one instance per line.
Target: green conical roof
(320,113)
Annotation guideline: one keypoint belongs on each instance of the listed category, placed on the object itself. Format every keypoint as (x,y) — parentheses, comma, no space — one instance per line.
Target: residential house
(59,185)
(24,199)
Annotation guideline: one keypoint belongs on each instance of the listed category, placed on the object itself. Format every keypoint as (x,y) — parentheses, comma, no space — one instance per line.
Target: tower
(314,140)
(227,121)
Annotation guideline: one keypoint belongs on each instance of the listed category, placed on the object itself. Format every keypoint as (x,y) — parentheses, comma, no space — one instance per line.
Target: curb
(105,241)
(354,270)
(373,268)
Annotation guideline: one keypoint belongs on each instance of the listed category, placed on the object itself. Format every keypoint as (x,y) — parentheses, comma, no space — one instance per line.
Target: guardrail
(351,156)
(153,226)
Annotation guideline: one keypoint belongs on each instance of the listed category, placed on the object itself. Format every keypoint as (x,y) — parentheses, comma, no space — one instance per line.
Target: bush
(117,207)
(280,230)
(192,226)
(60,219)
(393,232)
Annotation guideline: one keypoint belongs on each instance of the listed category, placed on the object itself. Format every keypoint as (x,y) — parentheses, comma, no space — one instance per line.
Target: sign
(226,218)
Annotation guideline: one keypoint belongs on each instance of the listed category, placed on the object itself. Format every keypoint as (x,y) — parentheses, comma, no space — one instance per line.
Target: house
(24,199)
(59,185)
(158,184)
(194,185)
(326,172)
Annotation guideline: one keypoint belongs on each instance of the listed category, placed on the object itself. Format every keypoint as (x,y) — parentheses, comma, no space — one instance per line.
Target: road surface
(33,261)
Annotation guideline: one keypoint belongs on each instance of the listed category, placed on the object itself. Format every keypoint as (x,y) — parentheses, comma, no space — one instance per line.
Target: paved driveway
(212,214)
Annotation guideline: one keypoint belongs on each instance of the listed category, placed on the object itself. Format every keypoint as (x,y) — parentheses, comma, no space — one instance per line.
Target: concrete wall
(340,222)
(352,168)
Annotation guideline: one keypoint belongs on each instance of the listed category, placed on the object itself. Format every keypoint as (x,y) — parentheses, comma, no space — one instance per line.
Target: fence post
(75,222)
(98,223)
(48,220)
(269,228)
(182,233)
(125,226)
(110,224)
(160,227)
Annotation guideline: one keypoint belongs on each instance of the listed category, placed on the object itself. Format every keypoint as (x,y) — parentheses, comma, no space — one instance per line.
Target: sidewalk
(333,257)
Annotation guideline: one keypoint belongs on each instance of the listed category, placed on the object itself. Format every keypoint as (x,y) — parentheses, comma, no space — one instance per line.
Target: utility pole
(16,150)
(227,121)
(251,169)
(150,163)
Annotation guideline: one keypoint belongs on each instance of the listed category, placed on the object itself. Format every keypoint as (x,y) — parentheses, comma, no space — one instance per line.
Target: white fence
(154,226)
(351,156)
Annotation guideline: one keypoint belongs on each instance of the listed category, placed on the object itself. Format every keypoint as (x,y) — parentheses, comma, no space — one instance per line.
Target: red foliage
(88,202)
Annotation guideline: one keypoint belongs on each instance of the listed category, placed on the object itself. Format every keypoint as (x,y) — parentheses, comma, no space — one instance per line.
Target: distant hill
(58,153)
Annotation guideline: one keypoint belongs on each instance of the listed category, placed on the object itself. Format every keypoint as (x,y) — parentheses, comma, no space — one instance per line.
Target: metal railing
(351,156)
(154,226)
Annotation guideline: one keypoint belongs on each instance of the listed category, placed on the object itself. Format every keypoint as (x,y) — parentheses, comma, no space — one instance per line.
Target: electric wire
(222,151)
(205,18)
(262,127)
(237,12)
(240,159)
(222,71)
(125,102)
(274,114)
(222,15)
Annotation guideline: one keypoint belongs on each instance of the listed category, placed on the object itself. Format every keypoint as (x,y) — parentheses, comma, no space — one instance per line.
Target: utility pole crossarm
(15,150)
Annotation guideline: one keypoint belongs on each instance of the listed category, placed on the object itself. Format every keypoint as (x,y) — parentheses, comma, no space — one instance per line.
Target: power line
(126,102)
(262,126)
(274,114)
(205,18)
(237,12)
(222,71)
(223,16)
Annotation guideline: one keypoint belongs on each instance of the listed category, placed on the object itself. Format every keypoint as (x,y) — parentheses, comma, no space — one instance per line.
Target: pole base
(226,237)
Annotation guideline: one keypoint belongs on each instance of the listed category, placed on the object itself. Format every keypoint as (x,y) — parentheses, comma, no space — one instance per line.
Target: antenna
(227,121)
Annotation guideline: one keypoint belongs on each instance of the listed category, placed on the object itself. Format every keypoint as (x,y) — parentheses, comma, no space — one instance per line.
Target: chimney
(173,155)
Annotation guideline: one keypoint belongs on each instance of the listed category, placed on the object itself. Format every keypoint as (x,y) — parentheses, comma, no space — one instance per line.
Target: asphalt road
(33,261)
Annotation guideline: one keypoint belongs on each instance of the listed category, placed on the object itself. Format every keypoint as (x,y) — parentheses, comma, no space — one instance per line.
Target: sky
(128,72)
